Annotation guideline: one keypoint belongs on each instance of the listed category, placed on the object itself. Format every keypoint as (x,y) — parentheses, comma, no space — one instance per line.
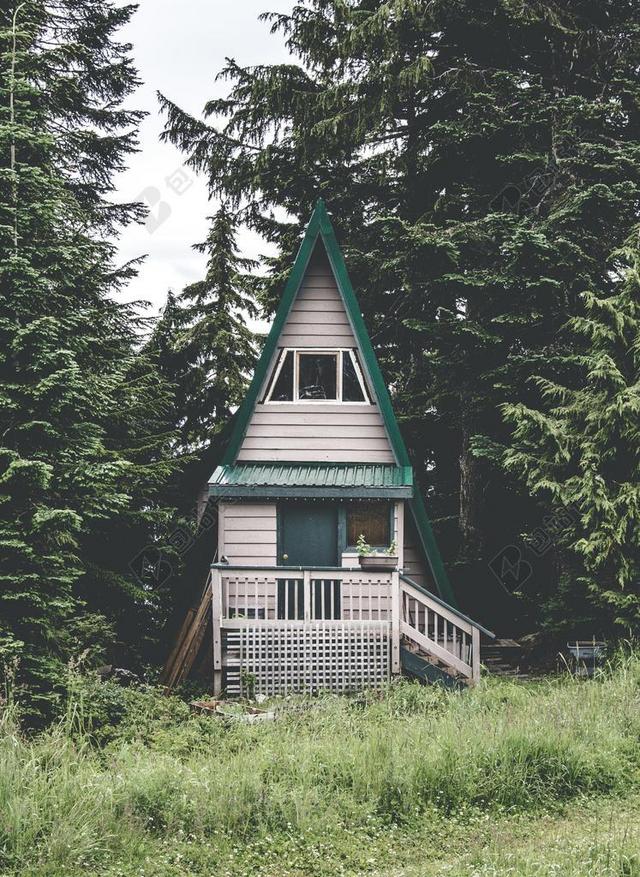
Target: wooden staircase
(426,669)
(438,644)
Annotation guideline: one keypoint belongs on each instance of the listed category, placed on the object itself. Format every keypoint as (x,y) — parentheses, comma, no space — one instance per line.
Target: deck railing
(258,595)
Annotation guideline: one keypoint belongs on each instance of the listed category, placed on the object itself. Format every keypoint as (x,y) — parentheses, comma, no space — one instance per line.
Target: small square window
(371,520)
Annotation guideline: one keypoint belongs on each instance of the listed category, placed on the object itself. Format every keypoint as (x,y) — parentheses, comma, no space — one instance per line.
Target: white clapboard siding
(301,443)
(327,433)
(343,455)
(249,536)
(324,325)
(317,433)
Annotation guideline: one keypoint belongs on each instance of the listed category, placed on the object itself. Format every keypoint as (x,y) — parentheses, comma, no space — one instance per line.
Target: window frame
(297,352)
(344,527)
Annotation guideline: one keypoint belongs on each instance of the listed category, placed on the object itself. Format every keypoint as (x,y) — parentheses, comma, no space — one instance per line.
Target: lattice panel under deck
(308,657)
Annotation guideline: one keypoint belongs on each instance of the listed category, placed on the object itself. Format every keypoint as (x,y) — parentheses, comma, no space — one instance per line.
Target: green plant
(362,546)
(364,549)
(247,683)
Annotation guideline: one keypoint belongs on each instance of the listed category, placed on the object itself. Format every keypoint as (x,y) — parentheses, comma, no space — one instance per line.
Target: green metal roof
(348,480)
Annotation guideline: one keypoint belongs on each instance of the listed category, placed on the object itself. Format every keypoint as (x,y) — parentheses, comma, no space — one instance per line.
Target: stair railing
(439,630)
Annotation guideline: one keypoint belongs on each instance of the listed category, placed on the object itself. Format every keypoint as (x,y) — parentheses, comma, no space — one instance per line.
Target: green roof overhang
(312,480)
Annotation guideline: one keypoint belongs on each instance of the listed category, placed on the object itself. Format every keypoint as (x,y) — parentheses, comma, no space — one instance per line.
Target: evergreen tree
(205,351)
(78,449)
(480,160)
(215,341)
(202,344)
(581,449)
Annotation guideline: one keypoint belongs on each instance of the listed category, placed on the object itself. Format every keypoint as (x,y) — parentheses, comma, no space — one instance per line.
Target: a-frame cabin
(316,461)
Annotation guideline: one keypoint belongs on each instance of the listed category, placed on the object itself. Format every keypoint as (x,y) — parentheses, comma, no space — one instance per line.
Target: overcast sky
(178,47)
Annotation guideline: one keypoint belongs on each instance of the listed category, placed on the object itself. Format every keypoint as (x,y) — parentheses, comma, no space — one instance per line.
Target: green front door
(308,534)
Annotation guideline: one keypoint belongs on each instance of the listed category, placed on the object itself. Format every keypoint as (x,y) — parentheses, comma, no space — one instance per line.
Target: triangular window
(321,375)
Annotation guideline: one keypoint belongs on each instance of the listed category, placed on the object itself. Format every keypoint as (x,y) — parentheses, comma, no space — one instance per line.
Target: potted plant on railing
(376,559)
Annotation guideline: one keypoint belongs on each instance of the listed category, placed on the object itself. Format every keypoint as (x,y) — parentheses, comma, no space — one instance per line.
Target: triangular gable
(318,315)
(333,432)
(321,229)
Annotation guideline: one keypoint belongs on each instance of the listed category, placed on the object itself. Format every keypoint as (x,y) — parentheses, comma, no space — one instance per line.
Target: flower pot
(379,562)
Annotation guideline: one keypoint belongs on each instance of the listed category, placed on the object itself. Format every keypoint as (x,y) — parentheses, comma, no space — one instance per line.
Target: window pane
(283,389)
(371,519)
(317,378)
(351,389)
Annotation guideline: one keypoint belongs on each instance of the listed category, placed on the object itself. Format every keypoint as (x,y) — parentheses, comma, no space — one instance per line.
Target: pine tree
(580,450)
(480,161)
(77,452)
(215,341)
(205,351)
(202,343)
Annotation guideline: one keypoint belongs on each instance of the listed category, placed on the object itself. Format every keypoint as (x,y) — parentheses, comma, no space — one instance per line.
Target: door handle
(285,557)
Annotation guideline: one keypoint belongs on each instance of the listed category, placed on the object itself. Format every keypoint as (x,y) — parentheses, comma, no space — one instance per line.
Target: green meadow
(510,778)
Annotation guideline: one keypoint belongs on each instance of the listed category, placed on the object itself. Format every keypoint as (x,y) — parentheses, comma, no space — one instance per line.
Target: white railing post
(306,590)
(216,612)
(475,656)
(395,622)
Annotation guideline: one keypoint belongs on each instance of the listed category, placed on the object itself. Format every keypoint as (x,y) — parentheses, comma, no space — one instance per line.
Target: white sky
(178,47)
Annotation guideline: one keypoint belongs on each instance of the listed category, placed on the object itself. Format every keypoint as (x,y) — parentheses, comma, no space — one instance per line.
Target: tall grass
(365,765)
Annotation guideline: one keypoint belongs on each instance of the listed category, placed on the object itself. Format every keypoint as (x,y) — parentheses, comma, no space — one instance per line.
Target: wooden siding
(415,564)
(318,317)
(248,533)
(339,433)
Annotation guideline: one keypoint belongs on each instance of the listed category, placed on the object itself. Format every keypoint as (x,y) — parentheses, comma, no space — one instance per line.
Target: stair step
(503,657)
(417,665)
(410,646)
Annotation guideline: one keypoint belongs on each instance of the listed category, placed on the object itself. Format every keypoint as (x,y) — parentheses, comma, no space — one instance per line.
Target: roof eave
(261,491)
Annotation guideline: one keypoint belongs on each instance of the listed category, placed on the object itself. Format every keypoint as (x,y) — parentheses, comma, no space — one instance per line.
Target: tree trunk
(471,492)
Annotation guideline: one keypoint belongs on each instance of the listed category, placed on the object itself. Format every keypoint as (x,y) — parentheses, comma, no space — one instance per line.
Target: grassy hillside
(509,779)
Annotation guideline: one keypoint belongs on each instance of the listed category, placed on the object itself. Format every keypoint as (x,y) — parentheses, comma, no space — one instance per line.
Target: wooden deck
(278,630)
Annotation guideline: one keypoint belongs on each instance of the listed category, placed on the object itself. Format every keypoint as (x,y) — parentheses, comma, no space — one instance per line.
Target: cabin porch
(278,630)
